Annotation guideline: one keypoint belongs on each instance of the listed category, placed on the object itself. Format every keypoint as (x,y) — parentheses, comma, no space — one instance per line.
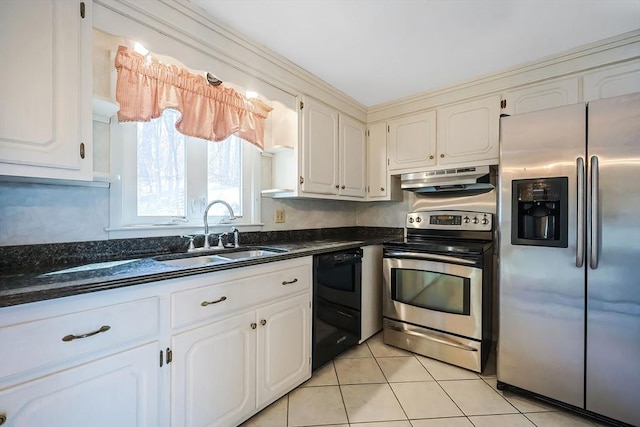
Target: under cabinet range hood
(466,180)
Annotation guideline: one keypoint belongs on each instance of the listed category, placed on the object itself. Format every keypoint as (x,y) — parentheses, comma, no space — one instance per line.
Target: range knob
(466,220)
(484,221)
(475,220)
(418,219)
(410,220)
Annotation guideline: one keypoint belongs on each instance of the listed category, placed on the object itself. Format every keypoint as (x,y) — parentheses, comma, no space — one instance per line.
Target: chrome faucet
(206,221)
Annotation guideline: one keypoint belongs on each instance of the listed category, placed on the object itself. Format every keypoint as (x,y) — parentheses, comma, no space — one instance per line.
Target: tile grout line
(389,385)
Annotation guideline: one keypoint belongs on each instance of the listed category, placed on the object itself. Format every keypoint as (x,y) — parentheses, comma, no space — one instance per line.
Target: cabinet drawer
(38,345)
(208,302)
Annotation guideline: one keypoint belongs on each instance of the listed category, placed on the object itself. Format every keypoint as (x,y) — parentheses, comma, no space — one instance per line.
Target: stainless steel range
(437,298)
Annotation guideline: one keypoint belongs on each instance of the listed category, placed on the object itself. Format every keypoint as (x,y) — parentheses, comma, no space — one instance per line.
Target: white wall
(39,213)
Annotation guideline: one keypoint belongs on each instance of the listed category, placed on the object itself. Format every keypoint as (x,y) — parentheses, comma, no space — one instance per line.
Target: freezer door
(613,259)
(542,290)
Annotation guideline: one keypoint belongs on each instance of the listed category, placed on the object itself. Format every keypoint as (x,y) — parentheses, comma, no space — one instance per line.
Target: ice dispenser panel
(539,212)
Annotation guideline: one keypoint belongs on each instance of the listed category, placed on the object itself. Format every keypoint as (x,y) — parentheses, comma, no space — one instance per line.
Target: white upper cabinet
(353,146)
(468,133)
(319,148)
(412,142)
(380,185)
(45,89)
(611,81)
(541,96)
(333,152)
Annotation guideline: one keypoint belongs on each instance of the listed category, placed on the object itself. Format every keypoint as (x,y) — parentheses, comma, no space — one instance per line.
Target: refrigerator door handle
(581,213)
(595,215)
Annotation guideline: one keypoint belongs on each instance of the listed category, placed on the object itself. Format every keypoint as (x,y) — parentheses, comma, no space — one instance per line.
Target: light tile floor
(376,385)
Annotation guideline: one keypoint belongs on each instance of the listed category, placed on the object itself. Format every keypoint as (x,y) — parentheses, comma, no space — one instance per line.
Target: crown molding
(188,24)
(609,51)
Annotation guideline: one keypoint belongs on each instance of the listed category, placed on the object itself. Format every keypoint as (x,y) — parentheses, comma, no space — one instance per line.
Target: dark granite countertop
(44,281)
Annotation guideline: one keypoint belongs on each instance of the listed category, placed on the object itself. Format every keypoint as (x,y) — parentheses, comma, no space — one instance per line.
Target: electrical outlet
(280,215)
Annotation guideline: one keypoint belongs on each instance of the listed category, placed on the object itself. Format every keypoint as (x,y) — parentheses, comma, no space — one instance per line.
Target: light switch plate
(279,215)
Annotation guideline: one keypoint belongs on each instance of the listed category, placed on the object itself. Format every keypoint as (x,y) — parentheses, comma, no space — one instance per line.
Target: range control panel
(450,220)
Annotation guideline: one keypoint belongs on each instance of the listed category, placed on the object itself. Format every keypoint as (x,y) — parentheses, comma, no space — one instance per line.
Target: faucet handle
(220,244)
(190,237)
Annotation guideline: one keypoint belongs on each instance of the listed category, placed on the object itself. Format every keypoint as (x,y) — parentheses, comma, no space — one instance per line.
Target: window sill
(149,230)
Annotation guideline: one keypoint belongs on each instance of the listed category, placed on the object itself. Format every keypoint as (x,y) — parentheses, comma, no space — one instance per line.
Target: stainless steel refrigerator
(569,256)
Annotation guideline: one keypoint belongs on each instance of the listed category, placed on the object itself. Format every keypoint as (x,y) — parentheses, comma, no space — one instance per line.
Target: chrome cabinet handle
(595,215)
(581,211)
(72,337)
(263,322)
(206,303)
(254,325)
(288,283)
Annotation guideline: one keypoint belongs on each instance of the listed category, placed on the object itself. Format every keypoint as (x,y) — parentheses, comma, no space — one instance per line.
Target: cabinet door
(45,87)
(213,373)
(468,132)
(353,172)
(617,80)
(377,161)
(284,347)
(118,390)
(319,148)
(412,142)
(541,96)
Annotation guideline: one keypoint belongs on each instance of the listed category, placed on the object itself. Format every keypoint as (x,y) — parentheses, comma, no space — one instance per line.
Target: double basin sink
(195,261)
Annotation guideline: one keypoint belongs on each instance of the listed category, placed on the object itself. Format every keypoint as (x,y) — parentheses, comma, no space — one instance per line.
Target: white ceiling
(382,50)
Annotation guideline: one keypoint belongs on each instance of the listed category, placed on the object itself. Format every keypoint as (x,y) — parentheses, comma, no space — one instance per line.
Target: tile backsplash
(42,213)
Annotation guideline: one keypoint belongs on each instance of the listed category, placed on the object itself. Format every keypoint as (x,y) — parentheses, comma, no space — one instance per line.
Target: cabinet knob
(254,325)
(342,187)
(3,418)
(263,322)
(431,157)
(441,155)
(301,180)
(337,186)
(381,188)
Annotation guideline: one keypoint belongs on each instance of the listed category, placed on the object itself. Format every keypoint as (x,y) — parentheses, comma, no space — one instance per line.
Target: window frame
(124,220)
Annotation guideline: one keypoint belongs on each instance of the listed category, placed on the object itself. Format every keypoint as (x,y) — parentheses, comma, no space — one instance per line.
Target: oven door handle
(440,340)
(430,257)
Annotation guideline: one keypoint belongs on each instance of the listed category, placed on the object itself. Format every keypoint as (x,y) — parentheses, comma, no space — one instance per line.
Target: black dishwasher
(337,283)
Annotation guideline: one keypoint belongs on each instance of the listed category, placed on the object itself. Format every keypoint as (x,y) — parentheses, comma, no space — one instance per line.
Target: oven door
(437,292)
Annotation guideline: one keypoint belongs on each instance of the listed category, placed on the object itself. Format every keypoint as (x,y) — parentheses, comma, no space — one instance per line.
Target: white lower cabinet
(284,347)
(213,373)
(204,350)
(250,343)
(117,390)
(95,367)
(226,371)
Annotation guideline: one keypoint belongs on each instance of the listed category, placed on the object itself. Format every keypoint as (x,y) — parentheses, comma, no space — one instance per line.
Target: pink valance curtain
(145,87)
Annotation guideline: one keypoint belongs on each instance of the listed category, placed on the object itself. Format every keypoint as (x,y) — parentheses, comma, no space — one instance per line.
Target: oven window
(431,290)
(338,277)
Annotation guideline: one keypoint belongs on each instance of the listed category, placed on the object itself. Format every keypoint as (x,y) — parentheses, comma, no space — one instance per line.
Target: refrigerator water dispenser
(539,212)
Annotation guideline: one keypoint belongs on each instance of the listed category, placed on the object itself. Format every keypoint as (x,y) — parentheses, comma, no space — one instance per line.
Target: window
(169,178)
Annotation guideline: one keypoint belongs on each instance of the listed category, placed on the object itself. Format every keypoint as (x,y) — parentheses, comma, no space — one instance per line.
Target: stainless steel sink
(249,254)
(197,261)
